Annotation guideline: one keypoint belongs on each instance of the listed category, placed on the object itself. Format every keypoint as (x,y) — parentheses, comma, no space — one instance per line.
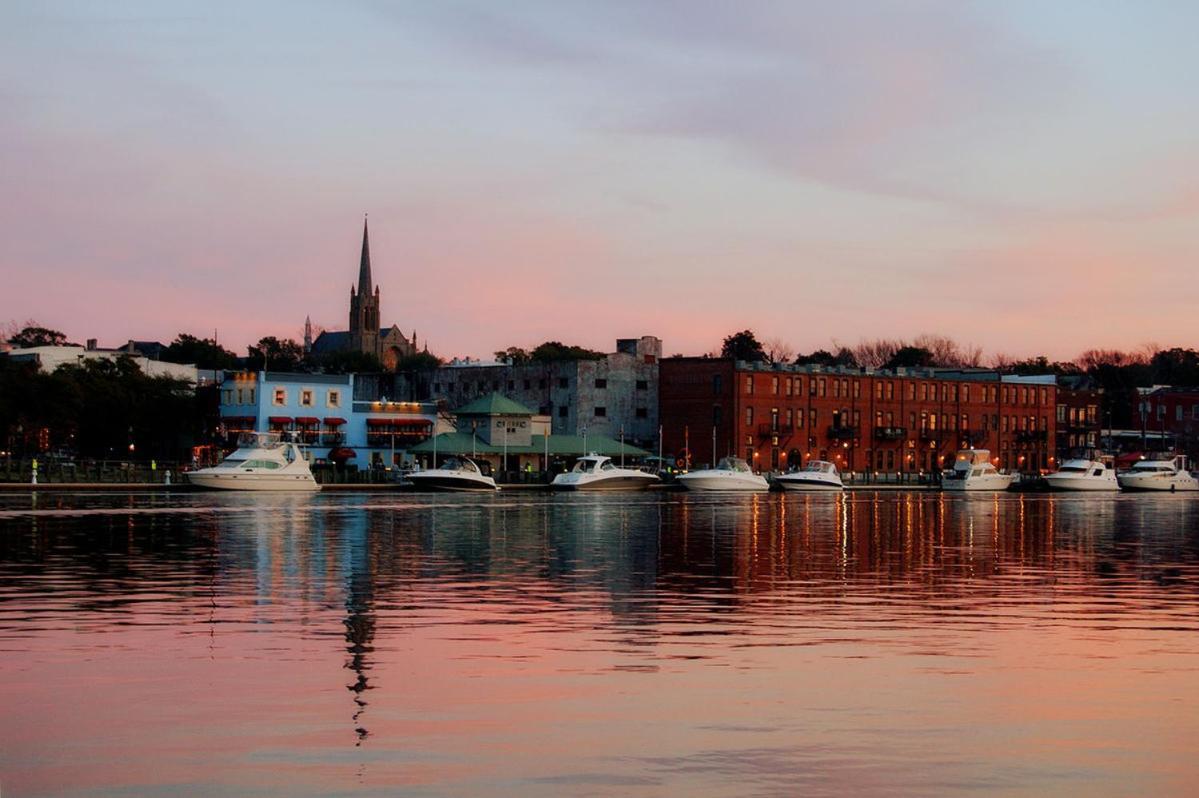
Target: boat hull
(743,483)
(1159,485)
(253,482)
(1000,482)
(451,483)
(613,483)
(805,484)
(1080,483)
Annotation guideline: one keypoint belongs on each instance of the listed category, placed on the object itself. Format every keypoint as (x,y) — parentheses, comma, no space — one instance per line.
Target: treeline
(1118,373)
(101,409)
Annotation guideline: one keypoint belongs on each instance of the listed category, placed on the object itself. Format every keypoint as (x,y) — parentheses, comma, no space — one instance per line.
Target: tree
(513,356)
(33,335)
(204,353)
(273,354)
(743,345)
(553,351)
(779,351)
(909,356)
(1175,367)
(421,361)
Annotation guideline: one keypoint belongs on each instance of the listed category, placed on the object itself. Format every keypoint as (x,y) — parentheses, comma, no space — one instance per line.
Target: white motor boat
(972,470)
(1083,475)
(596,472)
(456,473)
(731,473)
(1161,475)
(816,475)
(262,461)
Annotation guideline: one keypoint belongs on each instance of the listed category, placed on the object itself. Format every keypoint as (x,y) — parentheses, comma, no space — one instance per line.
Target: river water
(524,644)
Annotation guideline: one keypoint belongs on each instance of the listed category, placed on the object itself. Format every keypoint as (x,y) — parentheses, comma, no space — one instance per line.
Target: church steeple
(364,266)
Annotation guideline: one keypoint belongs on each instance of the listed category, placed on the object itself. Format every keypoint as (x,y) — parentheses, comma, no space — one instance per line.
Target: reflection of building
(618,391)
(909,420)
(364,335)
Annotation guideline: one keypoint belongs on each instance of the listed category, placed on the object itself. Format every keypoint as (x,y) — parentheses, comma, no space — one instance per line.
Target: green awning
(561,445)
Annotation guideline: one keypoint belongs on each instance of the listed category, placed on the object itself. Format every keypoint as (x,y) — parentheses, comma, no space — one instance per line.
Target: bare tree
(778,350)
(875,354)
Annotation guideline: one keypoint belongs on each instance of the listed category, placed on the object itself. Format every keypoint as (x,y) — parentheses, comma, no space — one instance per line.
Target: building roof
(494,404)
(338,340)
(465,443)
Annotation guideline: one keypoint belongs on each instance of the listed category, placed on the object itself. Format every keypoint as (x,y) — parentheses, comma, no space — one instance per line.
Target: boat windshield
(232,462)
(584,466)
(1071,470)
(454,464)
(732,464)
(1153,467)
(819,466)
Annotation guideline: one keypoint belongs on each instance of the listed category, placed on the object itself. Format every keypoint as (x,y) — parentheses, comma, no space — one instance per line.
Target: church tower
(364,305)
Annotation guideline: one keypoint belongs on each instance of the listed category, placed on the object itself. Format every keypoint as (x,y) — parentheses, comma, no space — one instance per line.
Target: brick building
(911,421)
(1172,413)
(1077,418)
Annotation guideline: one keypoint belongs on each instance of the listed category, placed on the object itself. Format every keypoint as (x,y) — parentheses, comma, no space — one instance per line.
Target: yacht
(1164,475)
(262,461)
(596,472)
(816,475)
(456,473)
(731,473)
(1083,475)
(972,470)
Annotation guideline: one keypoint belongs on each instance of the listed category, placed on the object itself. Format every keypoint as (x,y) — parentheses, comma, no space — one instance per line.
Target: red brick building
(1173,413)
(778,417)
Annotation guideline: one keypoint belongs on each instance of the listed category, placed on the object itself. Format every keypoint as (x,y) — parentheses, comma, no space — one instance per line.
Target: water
(532,645)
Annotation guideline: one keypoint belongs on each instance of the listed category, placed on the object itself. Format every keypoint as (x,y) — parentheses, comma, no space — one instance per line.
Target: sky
(1021,176)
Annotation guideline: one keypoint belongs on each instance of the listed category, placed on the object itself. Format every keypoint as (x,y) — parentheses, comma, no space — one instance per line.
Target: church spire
(364,266)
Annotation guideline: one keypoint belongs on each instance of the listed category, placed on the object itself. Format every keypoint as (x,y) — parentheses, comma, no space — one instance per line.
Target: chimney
(91,344)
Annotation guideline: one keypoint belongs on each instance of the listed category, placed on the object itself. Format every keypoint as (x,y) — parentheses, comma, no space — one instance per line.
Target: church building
(388,344)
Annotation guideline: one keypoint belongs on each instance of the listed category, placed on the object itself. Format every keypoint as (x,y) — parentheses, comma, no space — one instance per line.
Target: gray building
(602,397)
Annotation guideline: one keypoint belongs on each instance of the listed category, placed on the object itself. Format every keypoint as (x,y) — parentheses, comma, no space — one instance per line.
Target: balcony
(890,433)
(929,434)
(332,438)
(842,433)
(771,430)
(1032,436)
(975,437)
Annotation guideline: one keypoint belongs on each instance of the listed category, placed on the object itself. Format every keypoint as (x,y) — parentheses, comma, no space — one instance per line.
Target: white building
(48,358)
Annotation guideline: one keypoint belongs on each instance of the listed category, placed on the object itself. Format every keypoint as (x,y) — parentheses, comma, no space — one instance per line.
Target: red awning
(408,422)
(335,422)
(280,419)
(378,422)
(238,419)
(341,454)
(307,420)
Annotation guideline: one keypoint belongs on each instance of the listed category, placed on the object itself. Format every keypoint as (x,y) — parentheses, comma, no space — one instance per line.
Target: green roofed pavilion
(563,445)
(494,405)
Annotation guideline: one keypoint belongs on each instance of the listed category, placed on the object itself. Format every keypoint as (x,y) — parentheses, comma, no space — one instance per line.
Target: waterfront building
(1078,421)
(48,358)
(902,421)
(1169,416)
(512,438)
(321,411)
(595,397)
(364,335)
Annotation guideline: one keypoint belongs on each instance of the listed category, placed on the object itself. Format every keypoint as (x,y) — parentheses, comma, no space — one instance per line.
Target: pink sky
(1018,178)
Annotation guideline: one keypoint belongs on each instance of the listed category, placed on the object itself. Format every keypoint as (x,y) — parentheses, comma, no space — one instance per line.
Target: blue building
(321,411)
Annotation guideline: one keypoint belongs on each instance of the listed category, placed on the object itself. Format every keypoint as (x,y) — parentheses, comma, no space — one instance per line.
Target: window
(890,390)
(241,399)
(641,412)
(812,418)
(820,387)
(717,384)
(774,386)
(601,412)
(251,396)
(511,385)
(878,389)
(528,384)
(1161,411)
(1194,411)
(717,415)
(857,388)
(601,383)
(965,393)
(227,396)
(306,397)
(789,386)
(749,416)
(563,411)
(643,385)
(541,384)
(280,396)
(563,382)
(749,384)
(333,399)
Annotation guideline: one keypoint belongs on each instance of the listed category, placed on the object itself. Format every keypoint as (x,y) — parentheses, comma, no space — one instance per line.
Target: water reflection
(540,644)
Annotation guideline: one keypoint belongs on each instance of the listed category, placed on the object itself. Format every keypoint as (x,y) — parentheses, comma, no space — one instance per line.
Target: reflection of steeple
(360,625)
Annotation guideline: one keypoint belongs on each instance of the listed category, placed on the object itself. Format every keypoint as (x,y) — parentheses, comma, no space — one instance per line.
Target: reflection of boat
(816,475)
(456,473)
(1083,475)
(731,473)
(262,461)
(1161,475)
(596,472)
(972,470)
